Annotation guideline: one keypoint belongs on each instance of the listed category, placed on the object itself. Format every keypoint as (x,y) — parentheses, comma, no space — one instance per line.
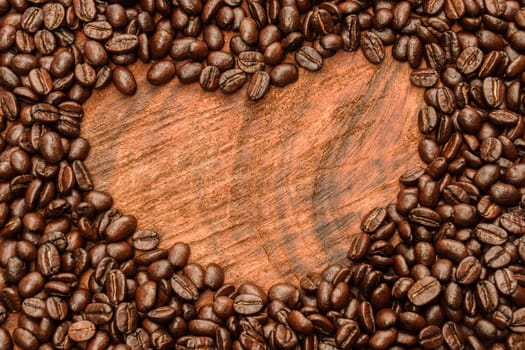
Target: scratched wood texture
(269,190)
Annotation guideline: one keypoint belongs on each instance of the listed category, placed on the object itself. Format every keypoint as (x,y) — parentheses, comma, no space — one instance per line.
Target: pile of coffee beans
(443,267)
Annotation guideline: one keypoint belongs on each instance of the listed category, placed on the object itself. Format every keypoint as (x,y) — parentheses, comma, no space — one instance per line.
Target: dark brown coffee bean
(209,78)
(85,10)
(57,308)
(116,286)
(161,72)
(468,270)
(248,31)
(184,287)
(126,317)
(284,74)
(145,240)
(486,296)
(121,43)
(424,77)
(40,81)
(425,216)
(469,60)
(309,58)
(496,257)
(250,61)
(424,291)
(232,80)
(505,281)
(258,85)
(81,331)
(372,47)
(221,60)
(124,80)
(98,30)
(490,234)
(34,307)
(513,223)
(98,313)
(25,339)
(430,337)
(48,259)
(190,72)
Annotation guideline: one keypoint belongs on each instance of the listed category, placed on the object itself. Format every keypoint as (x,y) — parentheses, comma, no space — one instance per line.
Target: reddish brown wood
(272,189)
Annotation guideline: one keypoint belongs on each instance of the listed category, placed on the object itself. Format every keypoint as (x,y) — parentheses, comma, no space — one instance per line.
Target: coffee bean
(121,228)
(189,73)
(25,339)
(505,281)
(34,307)
(359,244)
(468,270)
(424,291)
(232,80)
(98,313)
(486,296)
(40,81)
(161,72)
(513,223)
(372,47)
(81,331)
(124,80)
(430,337)
(425,77)
(425,216)
(284,74)
(347,335)
(48,259)
(491,234)
(98,30)
(309,58)
(258,85)
(221,60)
(184,287)
(126,318)
(5,339)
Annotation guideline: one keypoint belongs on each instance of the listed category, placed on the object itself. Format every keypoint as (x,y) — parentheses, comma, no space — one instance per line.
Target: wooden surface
(272,189)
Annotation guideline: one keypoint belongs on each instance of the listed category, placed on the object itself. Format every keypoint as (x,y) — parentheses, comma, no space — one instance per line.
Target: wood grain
(270,190)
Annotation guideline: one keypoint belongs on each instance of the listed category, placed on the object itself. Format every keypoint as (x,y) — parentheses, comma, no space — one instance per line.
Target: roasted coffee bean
(468,270)
(250,61)
(124,80)
(232,80)
(98,313)
(284,74)
(161,72)
(25,339)
(48,259)
(184,287)
(258,85)
(189,73)
(209,78)
(221,60)
(424,291)
(505,281)
(372,47)
(309,58)
(145,240)
(425,77)
(81,331)
(126,317)
(486,296)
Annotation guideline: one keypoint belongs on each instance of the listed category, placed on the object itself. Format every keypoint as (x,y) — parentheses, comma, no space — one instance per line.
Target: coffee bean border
(441,268)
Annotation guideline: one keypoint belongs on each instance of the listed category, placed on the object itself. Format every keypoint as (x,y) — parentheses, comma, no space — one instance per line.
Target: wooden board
(270,190)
